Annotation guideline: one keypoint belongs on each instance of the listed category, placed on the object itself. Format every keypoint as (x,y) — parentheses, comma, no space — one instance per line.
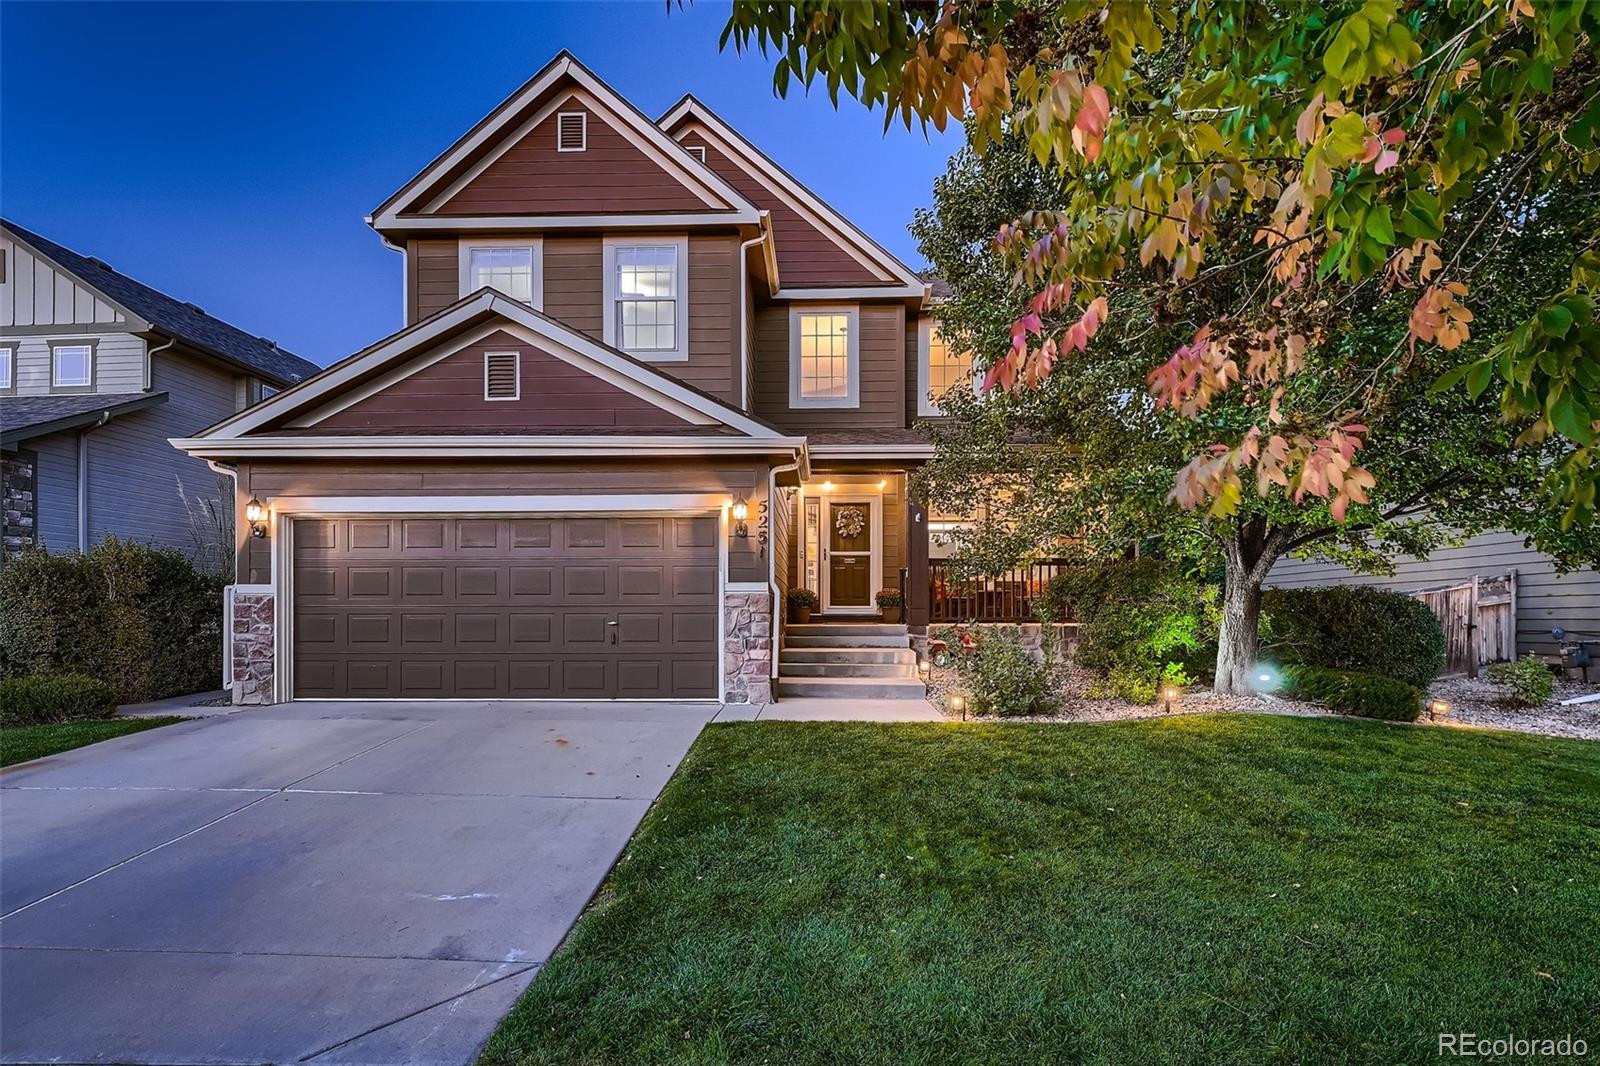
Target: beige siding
(35,293)
(433,276)
(1544,599)
(119,361)
(56,502)
(882,384)
(713,319)
(573,290)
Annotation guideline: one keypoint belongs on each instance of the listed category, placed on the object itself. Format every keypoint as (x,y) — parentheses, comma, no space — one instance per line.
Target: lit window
(823,370)
(647,299)
(508,269)
(73,365)
(5,368)
(941,368)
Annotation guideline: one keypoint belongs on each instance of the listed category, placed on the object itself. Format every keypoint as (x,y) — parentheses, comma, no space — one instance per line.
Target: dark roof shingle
(25,417)
(174,317)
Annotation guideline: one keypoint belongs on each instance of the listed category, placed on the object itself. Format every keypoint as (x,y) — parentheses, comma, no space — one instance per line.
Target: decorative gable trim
(369,371)
(506,125)
(690,115)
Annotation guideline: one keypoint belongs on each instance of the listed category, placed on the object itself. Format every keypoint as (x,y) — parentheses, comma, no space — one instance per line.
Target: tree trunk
(1250,552)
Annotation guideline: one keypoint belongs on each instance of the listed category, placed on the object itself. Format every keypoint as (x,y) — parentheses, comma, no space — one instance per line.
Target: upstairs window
(824,357)
(647,311)
(572,131)
(7,358)
(72,366)
(512,266)
(941,368)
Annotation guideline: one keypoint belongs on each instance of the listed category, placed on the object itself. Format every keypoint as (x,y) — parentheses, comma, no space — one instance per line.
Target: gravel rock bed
(1480,702)
(1473,703)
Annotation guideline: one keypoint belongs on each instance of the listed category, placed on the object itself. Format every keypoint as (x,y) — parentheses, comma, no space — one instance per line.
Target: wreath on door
(848,522)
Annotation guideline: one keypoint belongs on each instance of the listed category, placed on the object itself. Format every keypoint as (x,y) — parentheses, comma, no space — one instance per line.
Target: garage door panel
(487,607)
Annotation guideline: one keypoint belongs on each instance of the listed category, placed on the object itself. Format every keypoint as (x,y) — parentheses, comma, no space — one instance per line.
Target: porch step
(788,668)
(791,639)
(845,629)
(860,688)
(791,654)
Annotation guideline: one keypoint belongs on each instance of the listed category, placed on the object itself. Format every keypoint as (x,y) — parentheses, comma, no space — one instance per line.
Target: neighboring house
(97,371)
(647,383)
(1543,598)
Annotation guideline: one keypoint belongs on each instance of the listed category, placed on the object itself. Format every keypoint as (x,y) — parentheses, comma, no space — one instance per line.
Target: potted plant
(890,603)
(801,603)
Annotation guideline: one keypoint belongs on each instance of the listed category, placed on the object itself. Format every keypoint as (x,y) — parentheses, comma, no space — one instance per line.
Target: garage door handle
(611,631)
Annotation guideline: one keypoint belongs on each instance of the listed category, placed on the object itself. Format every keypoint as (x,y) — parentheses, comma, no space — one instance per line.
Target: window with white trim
(572,131)
(72,365)
(7,367)
(645,295)
(824,357)
(511,266)
(941,367)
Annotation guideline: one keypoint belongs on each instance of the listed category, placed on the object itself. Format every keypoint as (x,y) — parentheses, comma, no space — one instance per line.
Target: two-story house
(97,372)
(648,382)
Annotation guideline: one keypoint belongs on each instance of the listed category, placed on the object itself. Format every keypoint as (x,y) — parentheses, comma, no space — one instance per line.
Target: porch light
(958,704)
(883,484)
(256,515)
(827,486)
(1438,709)
(741,511)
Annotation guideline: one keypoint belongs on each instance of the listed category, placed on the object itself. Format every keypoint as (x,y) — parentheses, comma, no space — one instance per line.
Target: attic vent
(193,307)
(101,263)
(698,151)
(572,131)
(502,375)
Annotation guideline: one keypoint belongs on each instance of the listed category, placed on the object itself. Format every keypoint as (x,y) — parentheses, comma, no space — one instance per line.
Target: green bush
(1528,680)
(1139,618)
(1353,692)
(889,598)
(799,597)
(140,618)
(1001,678)
(41,700)
(1352,627)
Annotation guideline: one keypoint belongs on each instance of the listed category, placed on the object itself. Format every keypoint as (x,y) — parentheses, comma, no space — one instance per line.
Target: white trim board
(447,446)
(465,246)
(608,285)
(852,398)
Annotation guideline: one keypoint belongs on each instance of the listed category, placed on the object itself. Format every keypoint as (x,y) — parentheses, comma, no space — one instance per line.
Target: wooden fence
(1479,619)
(1006,597)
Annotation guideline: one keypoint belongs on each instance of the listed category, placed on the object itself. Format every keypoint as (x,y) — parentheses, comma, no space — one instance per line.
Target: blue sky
(227,153)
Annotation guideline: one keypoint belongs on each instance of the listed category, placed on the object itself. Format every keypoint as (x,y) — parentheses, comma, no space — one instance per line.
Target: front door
(848,557)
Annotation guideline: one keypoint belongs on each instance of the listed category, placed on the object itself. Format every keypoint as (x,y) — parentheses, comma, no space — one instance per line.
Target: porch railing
(1004,597)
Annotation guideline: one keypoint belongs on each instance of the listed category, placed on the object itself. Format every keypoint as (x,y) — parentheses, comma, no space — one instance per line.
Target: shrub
(1001,678)
(1354,692)
(140,618)
(889,598)
(801,598)
(1528,680)
(38,700)
(1138,618)
(1352,627)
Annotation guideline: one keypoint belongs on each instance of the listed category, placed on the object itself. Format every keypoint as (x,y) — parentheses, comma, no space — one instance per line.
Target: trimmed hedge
(42,700)
(1353,692)
(1353,627)
(140,618)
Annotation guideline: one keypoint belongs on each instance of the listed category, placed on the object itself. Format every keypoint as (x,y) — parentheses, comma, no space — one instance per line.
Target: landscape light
(924,666)
(1265,677)
(1438,709)
(958,704)
(1169,696)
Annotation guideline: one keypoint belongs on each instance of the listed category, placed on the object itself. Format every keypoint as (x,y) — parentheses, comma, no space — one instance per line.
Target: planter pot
(799,615)
(891,615)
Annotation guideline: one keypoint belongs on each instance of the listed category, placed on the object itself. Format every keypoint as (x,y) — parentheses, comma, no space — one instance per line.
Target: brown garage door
(518,607)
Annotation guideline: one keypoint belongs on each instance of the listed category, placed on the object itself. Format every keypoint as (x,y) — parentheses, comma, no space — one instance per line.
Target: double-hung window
(940,368)
(646,310)
(824,357)
(72,366)
(8,369)
(512,266)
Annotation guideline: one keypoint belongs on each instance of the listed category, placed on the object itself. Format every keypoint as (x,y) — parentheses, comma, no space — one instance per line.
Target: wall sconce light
(1169,696)
(1438,709)
(958,704)
(827,486)
(741,511)
(883,484)
(256,515)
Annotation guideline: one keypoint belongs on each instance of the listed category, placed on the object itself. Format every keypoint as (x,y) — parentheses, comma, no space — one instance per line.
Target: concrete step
(855,688)
(847,655)
(791,639)
(845,629)
(788,668)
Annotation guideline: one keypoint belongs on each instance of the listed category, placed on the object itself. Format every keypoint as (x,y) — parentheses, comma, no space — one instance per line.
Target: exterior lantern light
(1438,709)
(741,511)
(958,704)
(1169,696)
(256,515)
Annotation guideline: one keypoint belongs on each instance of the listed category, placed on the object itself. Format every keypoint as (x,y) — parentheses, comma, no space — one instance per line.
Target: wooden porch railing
(1005,597)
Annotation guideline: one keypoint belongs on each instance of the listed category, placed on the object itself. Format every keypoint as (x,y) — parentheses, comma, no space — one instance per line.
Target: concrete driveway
(332,883)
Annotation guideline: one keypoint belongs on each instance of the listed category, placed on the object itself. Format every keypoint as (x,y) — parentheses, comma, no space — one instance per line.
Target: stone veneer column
(747,647)
(254,661)
(20,495)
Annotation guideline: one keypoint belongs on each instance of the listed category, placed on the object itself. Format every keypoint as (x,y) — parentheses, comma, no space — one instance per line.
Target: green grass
(37,741)
(1202,889)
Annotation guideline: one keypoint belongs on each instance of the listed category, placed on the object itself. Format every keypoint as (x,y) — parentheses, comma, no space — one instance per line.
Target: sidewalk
(181,705)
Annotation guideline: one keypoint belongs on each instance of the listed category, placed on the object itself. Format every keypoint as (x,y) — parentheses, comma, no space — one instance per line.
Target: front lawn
(37,741)
(1201,889)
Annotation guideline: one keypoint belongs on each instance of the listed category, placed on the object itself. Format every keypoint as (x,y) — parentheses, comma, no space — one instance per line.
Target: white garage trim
(285,509)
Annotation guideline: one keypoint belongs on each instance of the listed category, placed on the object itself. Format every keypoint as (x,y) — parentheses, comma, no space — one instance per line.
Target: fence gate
(1479,618)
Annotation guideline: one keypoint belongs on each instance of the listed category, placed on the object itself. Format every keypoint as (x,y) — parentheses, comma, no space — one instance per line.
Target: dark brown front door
(505,607)
(849,555)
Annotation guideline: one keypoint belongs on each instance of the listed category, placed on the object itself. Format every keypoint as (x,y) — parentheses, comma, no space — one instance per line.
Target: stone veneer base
(254,661)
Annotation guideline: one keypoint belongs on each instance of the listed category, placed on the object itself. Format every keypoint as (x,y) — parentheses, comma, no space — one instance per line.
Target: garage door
(505,607)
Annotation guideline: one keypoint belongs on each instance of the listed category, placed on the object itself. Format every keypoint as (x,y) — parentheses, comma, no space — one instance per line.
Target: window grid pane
(72,365)
(825,356)
(647,290)
(508,269)
(5,368)
(945,367)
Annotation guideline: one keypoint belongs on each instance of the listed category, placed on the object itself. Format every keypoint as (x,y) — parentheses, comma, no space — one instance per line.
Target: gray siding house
(97,372)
